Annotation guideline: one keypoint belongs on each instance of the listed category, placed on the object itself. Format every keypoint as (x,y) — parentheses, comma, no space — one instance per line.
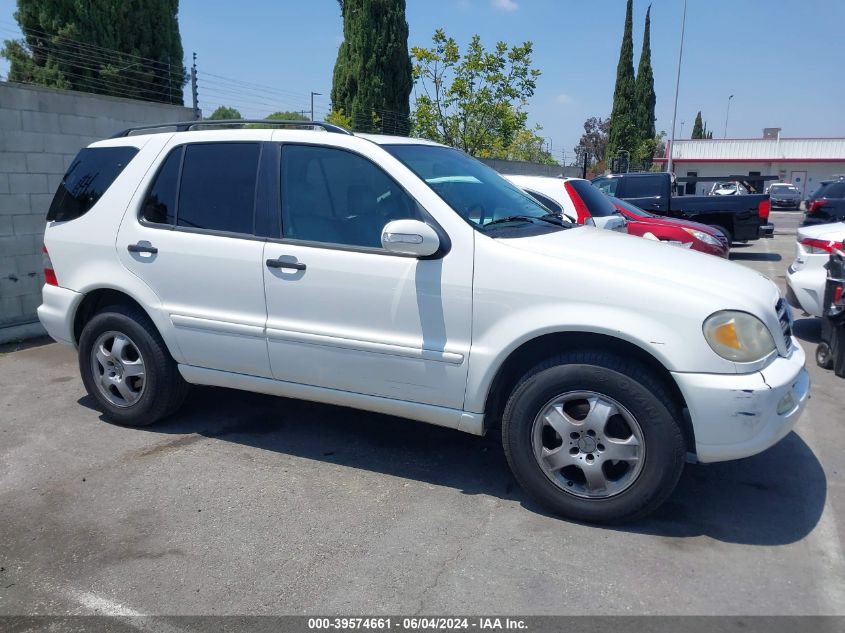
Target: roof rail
(190,126)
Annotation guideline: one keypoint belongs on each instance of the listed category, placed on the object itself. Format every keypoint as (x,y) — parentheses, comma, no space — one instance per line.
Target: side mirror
(410,237)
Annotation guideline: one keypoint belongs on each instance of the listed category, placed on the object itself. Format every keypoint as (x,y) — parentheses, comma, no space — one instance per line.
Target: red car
(698,237)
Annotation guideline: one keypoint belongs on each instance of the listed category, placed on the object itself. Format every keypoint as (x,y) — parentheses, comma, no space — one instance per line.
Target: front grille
(785,319)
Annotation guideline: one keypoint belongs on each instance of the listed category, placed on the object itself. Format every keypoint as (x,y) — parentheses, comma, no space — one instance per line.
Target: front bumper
(56,312)
(739,415)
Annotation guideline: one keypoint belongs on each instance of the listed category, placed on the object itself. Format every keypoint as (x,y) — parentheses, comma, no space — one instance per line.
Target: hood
(834,231)
(645,262)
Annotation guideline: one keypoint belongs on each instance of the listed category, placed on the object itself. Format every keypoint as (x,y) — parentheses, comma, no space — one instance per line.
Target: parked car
(575,198)
(355,270)
(784,195)
(683,233)
(805,277)
(731,188)
(826,204)
(739,218)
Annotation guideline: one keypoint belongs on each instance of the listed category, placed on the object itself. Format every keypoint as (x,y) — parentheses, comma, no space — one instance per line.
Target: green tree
(698,127)
(287,116)
(645,100)
(623,133)
(122,48)
(475,101)
(593,141)
(372,75)
(528,146)
(338,117)
(225,112)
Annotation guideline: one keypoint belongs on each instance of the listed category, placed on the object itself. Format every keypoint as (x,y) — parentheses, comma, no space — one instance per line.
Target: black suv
(827,204)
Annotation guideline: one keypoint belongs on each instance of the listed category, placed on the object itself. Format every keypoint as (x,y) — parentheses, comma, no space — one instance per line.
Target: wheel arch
(540,348)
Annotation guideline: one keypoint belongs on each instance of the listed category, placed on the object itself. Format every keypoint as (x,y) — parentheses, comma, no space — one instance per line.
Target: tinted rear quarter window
(160,204)
(597,203)
(217,188)
(834,190)
(642,187)
(89,176)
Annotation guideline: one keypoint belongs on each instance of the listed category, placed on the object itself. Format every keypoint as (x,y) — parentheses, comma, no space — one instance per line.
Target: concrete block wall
(41,130)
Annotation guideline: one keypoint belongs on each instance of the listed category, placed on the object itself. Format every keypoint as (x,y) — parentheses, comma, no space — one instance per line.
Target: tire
(110,368)
(588,379)
(824,358)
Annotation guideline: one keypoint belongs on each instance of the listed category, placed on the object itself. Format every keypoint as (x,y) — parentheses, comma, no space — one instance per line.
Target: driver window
(333,196)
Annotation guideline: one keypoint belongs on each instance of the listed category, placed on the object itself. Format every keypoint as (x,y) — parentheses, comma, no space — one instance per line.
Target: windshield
(630,208)
(476,192)
(783,189)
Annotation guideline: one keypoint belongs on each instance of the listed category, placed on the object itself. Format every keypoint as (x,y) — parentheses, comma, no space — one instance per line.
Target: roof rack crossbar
(189,126)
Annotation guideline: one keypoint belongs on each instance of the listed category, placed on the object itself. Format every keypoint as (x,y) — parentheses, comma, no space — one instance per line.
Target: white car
(356,270)
(806,276)
(728,189)
(573,198)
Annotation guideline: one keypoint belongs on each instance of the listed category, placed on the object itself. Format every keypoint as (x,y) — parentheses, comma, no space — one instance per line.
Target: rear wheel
(593,437)
(127,368)
(726,232)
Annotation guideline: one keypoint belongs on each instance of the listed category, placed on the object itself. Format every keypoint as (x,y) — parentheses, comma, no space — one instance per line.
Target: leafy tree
(372,75)
(122,48)
(593,141)
(645,99)
(623,133)
(287,116)
(225,112)
(528,146)
(337,117)
(473,101)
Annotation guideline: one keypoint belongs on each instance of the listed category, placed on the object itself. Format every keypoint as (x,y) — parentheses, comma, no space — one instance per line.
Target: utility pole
(194,94)
(727,113)
(670,165)
(313,94)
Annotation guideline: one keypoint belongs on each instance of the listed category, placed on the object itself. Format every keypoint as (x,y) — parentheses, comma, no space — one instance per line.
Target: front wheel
(824,358)
(594,438)
(127,368)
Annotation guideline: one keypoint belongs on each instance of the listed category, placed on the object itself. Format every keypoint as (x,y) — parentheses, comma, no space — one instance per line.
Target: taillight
(763,208)
(581,210)
(49,273)
(817,247)
(839,296)
(815,205)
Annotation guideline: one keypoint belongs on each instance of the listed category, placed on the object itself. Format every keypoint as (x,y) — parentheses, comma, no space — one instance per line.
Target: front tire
(824,357)
(593,437)
(127,368)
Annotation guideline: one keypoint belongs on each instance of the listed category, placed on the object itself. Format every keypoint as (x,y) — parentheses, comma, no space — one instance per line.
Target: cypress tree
(644,96)
(372,75)
(698,127)
(122,48)
(623,127)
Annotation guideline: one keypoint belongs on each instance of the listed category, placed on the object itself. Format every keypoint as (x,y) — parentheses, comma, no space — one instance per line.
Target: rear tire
(725,231)
(629,448)
(127,368)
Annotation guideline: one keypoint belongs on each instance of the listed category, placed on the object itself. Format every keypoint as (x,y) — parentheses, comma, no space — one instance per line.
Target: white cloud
(564,99)
(504,5)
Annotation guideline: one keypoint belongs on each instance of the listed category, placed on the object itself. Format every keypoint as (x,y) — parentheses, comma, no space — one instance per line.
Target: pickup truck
(740,218)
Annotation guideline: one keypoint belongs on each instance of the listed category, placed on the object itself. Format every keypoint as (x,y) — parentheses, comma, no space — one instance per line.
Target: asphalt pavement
(248,504)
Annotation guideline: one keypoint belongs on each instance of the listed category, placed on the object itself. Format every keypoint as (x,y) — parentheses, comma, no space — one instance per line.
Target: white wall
(788,172)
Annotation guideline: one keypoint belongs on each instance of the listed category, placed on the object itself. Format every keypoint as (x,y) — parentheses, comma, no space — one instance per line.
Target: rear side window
(217,188)
(89,176)
(160,204)
(597,203)
(642,187)
(834,190)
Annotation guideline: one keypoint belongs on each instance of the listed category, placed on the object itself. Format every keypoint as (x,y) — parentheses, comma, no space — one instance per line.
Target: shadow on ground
(771,499)
(808,330)
(755,257)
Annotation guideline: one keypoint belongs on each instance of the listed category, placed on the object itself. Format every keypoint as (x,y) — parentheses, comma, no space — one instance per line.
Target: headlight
(701,236)
(738,336)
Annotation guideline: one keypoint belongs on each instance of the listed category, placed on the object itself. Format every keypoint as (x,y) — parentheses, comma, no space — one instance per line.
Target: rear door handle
(277,263)
(142,248)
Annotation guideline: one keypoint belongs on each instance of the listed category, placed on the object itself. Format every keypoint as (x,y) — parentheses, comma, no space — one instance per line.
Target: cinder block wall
(41,130)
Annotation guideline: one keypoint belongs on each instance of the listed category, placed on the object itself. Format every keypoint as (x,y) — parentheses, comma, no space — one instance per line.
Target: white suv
(356,270)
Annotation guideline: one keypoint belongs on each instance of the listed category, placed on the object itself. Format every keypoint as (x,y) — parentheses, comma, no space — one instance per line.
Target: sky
(782,60)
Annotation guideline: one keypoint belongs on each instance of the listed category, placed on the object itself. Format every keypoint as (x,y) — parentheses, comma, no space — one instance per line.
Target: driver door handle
(276,263)
(142,248)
